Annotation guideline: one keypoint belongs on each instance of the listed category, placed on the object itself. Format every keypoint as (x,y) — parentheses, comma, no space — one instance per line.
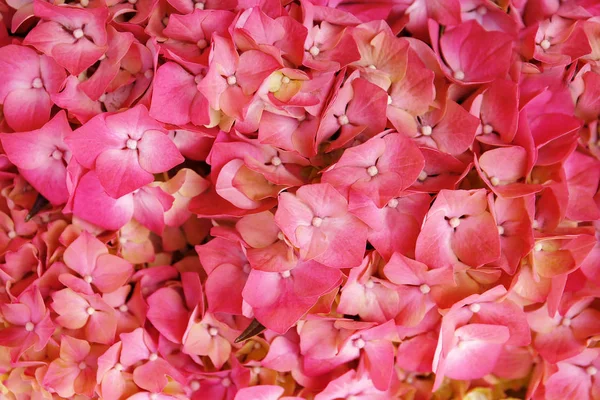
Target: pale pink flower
(317,221)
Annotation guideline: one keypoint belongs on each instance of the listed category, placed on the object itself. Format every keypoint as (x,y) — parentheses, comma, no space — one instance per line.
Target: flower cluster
(299,199)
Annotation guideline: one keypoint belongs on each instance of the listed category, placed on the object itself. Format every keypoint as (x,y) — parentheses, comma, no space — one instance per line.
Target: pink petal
(120,173)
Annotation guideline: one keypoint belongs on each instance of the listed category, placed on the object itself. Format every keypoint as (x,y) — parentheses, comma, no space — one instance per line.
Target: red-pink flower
(280,296)
(381,168)
(42,156)
(458,231)
(474,55)
(75,37)
(28,80)
(124,149)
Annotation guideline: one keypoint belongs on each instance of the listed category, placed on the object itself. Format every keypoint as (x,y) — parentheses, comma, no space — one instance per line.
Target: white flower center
(78,33)
(124,308)
(422,176)
(212,331)
(424,288)
(343,119)
(87,278)
(199,6)
(131,144)
(165,21)
(369,284)
(371,66)
(475,308)
(393,203)
(82,365)
(359,343)
(90,311)
(119,367)
(454,222)
(202,43)
(153,396)
(314,51)
(153,357)
(37,83)
(566,321)
(372,170)
(226,382)
(84,3)
(459,75)
(316,222)
(591,370)
(57,154)
(29,326)
(426,130)
(538,247)
(481,10)
(276,161)
(285,274)
(12,234)
(545,44)
(102,98)
(494,181)
(487,129)
(285,80)
(500,230)
(389,100)
(231,80)
(194,385)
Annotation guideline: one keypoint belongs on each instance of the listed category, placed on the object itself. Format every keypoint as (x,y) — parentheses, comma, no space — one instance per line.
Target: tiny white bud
(459,75)
(545,44)
(131,144)
(314,50)
(426,130)
(343,120)
(37,83)
(372,171)
(285,274)
(454,222)
(78,33)
(276,161)
(475,308)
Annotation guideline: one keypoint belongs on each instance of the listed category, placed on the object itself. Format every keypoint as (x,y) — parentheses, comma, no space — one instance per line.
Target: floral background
(312,199)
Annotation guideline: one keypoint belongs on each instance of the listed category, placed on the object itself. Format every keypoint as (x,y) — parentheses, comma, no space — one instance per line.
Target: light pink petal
(120,173)
(81,255)
(27,109)
(168,313)
(111,273)
(157,152)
